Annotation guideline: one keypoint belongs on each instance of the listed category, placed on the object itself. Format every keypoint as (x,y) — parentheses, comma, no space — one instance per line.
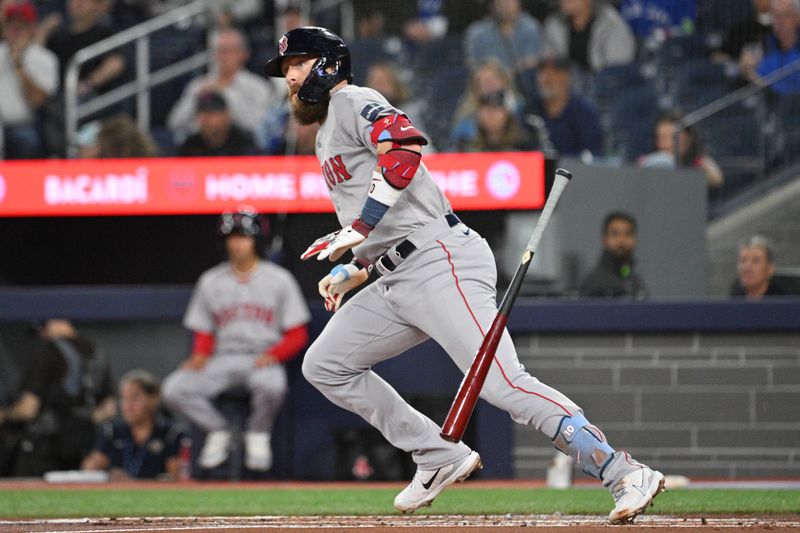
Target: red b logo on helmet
(282,45)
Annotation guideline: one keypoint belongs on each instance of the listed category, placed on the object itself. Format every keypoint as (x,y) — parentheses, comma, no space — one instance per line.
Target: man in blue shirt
(669,17)
(572,121)
(784,47)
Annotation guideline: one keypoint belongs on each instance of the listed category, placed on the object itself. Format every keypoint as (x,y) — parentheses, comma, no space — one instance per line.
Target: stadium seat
(673,55)
(630,122)
(678,50)
(787,112)
(611,81)
(722,14)
(734,136)
(737,143)
(440,89)
(366,52)
(432,55)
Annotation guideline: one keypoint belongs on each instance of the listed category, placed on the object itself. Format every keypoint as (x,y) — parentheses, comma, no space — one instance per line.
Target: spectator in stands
(243,13)
(28,77)
(141,445)
(614,275)
(84,27)
(756,267)
(3,5)
(659,19)
(490,77)
(591,33)
(508,35)
(114,137)
(281,134)
(749,36)
(386,79)
(248,96)
(248,316)
(429,24)
(783,48)
(691,153)
(571,120)
(218,135)
(65,390)
(119,136)
(498,128)
(292,17)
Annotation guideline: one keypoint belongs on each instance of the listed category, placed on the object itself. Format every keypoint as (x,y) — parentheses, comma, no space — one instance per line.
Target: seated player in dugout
(436,279)
(248,317)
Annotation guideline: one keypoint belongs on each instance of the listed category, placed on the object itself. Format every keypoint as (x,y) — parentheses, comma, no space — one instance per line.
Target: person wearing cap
(28,77)
(217,135)
(249,97)
(247,316)
(572,121)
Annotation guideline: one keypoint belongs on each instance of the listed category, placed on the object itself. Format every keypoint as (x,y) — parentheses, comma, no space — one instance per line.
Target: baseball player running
(436,279)
(248,316)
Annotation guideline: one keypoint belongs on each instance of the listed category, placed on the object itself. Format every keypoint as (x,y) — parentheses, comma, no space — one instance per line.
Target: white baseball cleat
(633,493)
(427,484)
(216,449)
(258,451)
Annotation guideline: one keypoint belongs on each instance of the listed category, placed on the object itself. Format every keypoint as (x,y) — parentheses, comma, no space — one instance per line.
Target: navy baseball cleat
(633,493)
(427,484)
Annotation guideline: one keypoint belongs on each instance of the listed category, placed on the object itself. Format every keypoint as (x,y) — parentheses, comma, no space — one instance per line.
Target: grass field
(374,501)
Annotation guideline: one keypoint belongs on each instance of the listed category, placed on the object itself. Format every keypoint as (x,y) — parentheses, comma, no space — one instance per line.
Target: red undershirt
(291,343)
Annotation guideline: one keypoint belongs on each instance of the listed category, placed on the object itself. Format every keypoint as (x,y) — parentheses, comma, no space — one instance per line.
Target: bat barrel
(461,411)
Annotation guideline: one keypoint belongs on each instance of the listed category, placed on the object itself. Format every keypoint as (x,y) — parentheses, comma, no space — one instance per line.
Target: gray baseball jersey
(444,290)
(348,157)
(246,317)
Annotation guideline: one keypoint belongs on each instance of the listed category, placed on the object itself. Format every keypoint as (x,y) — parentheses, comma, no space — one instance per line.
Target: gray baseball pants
(190,392)
(445,290)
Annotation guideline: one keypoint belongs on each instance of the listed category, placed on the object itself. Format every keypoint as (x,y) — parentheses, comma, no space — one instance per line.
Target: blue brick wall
(702,405)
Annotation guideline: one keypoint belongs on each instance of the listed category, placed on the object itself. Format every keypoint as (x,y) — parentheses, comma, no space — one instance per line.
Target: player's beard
(307,114)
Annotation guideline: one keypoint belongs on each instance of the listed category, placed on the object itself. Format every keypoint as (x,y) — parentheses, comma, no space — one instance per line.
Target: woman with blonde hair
(489,78)
(498,128)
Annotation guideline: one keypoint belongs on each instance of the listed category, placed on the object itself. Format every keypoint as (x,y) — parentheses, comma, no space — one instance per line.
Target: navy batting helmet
(313,41)
(245,221)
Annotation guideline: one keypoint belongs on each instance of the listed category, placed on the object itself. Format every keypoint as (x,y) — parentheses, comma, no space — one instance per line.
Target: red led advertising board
(175,186)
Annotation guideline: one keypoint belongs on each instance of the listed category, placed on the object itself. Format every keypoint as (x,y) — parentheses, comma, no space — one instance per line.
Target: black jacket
(613,279)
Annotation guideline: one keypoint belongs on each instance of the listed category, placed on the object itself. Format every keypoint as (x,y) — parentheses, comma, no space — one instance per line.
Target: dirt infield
(409,524)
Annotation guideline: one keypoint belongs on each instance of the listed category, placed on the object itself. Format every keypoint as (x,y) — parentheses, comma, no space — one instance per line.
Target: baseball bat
(467,395)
